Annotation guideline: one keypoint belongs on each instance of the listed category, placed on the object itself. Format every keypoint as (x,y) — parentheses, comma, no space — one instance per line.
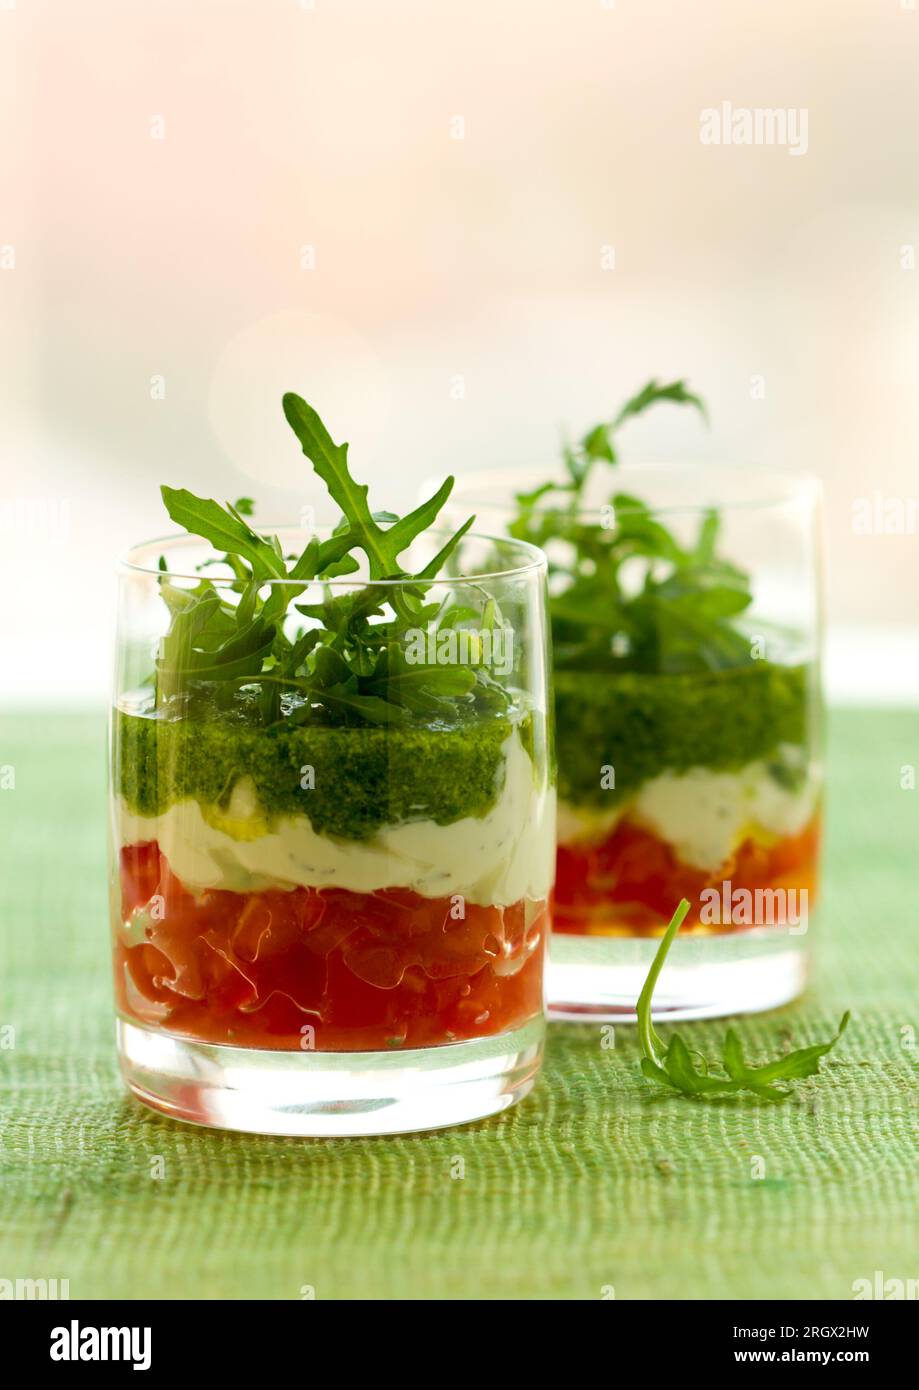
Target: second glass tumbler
(685,615)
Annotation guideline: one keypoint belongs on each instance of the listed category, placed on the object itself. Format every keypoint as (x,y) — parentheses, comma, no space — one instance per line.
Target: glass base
(600,977)
(328,1093)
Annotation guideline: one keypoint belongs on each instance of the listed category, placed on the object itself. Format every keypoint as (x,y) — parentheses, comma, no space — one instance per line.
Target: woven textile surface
(593,1184)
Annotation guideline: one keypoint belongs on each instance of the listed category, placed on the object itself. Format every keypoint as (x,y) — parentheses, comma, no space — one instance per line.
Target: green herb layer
(365,778)
(643,725)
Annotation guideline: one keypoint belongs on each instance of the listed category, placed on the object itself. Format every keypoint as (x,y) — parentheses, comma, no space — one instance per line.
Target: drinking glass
(688,730)
(322,924)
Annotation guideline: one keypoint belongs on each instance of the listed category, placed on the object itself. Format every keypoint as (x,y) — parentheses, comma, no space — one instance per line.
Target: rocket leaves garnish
(226,530)
(678,614)
(671,1064)
(348,662)
(381,545)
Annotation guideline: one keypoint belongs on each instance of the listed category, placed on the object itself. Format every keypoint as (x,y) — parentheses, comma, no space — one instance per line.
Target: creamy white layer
(704,815)
(506,855)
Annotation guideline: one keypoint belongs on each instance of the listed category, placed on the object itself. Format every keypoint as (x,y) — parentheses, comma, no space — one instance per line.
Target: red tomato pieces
(325,968)
(630,883)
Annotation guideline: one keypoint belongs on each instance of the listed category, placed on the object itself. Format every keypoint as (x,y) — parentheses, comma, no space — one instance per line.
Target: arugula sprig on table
(347,663)
(671,1064)
(680,616)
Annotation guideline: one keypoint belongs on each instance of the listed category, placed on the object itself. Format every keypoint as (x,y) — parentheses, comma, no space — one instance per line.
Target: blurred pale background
(456,228)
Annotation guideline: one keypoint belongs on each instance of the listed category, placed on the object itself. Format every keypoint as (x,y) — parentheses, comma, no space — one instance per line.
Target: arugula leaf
(381,545)
(330,460)
(224,529)
(424,689)
(676,391)
(434,566)
(671,1064)
(598,444)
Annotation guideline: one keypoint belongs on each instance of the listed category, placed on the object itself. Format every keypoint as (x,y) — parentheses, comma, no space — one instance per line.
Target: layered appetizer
(333,812)
(714,785)
(687,747)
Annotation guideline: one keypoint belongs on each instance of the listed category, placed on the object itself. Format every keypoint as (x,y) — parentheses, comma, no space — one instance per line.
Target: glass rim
(495,489)
(536,562)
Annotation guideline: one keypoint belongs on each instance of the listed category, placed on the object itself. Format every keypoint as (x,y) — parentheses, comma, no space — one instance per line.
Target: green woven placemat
(592,1183)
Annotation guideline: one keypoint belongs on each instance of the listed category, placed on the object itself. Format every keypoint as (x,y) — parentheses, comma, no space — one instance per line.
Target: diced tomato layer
(630,883)
(324,968)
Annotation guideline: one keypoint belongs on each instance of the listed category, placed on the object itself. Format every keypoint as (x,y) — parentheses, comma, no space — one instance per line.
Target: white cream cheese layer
(704,815)
(506,855)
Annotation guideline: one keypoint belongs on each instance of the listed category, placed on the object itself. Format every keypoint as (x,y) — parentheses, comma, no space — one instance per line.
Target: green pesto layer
(643,725)
(361,778)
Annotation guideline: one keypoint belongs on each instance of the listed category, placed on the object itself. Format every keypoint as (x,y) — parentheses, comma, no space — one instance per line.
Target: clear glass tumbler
(329,916)
(685,607)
